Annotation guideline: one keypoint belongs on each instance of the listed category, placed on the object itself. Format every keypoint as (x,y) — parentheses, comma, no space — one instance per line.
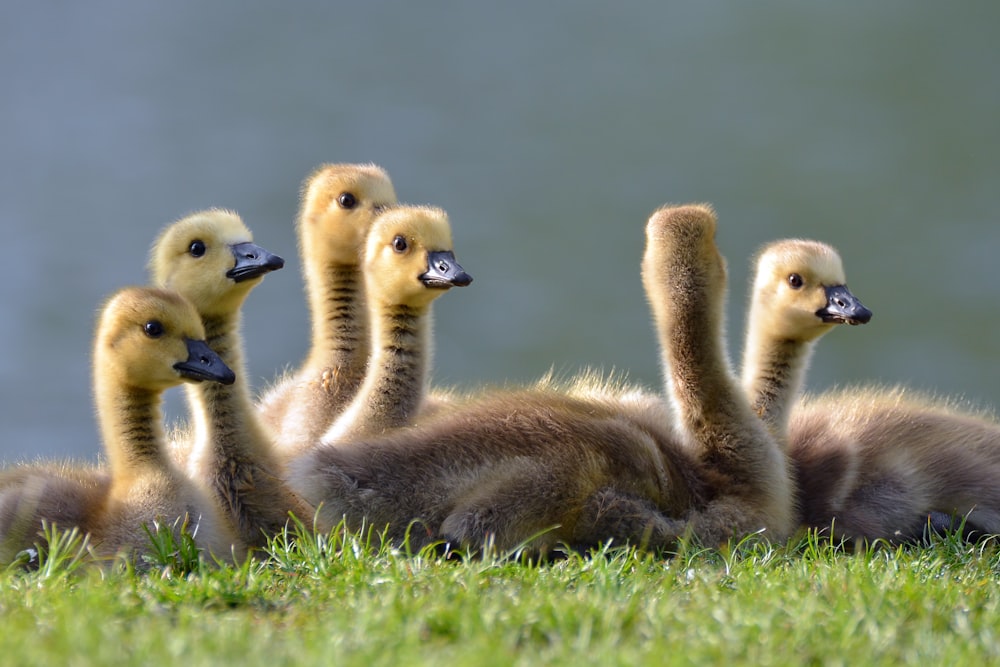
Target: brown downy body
(507,467)
(888,463)
(65,494)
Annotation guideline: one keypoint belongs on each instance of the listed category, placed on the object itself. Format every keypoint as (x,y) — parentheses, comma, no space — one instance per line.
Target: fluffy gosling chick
(799,293)
(409,262)
(209,258)
(685,279)
(147,341)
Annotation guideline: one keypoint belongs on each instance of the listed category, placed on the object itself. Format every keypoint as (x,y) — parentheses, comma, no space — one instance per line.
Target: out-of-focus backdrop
(548,132)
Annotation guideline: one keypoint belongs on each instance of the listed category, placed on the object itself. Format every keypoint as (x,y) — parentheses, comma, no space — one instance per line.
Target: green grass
(339,599)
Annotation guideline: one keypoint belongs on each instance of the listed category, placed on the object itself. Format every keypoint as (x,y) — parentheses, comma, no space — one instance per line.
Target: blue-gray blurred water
(549,132)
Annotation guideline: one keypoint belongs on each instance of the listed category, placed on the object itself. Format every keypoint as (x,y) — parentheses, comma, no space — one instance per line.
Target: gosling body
(63,494)
(889,463)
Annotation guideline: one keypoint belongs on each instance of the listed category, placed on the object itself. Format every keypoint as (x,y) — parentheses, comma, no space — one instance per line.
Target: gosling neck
(395,385)
(773,373)
(688,302)
(696,364)
(131,424)
(339,339)
(225,420)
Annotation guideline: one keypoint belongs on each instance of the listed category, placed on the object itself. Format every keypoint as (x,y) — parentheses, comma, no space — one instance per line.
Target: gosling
(339,204)
(147,341)
(409,263)
(209,258)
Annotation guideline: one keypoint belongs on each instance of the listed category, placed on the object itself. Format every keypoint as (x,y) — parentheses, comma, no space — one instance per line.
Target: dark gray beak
(252,261)
(842,307)
(443,271)
(204,364)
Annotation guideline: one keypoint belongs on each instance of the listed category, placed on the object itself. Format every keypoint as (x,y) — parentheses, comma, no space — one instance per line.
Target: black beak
(204,364)
(842,307)
(443,271)
(252,261)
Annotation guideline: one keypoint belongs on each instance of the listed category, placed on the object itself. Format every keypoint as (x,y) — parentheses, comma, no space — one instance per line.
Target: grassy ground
(337,599)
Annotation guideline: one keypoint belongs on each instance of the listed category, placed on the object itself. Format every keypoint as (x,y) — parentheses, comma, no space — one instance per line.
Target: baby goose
(869,463)
(147,341)
(539,467)
(409,262)
(339,204)
(209,257)
(683,273)
(799,293)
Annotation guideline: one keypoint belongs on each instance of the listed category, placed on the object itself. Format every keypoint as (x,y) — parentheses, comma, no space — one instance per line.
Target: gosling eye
(347,200)
(795,281)
(153,328)
(399,244)
(197,248)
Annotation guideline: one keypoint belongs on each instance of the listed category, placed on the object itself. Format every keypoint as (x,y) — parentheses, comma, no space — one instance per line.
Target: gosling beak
(842,307)
(252,261)
(204,364)
(443,271)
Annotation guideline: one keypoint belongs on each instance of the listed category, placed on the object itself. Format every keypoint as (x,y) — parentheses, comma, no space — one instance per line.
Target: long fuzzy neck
(226,423)
(773,372)
(749,472)
(396,382)
(690,323)
(339,324)
(697,366)
(303,408)
(688,302)
(131,423)
(234,452)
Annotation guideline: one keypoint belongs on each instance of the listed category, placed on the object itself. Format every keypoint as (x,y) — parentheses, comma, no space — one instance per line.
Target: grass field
(336,599)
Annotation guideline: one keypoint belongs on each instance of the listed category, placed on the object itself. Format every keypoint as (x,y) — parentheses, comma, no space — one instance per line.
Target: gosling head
(409,258)
(153,339)
(209,257)
(339,204)
(800,291)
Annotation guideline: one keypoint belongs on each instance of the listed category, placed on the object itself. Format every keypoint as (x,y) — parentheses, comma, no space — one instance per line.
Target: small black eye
(399,244)
(153,328)
(347,200)
(795,281)
(197,248)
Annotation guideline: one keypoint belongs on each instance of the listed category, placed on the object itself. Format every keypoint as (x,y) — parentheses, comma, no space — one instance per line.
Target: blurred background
(548,133)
